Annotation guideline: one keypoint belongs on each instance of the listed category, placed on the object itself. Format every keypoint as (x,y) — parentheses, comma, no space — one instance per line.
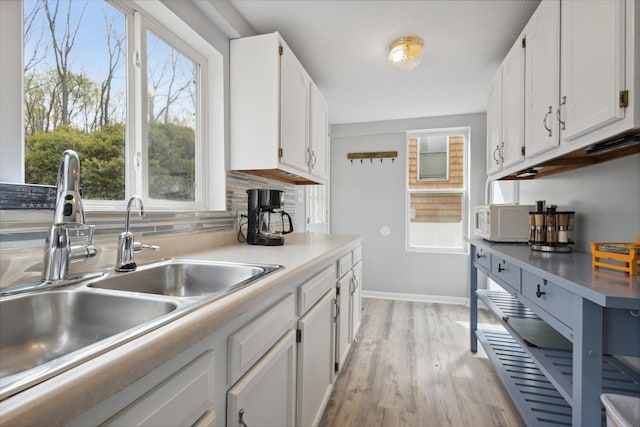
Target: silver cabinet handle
(494,155)
(559,111)
(313,159)
(241,418)
(544,121)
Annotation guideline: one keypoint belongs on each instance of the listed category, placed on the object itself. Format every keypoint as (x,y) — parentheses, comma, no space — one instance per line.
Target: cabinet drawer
(313,289)
(344,264)
(550,297)
(506,272)
(357,255)
(481,257)
(251,342)
(182,399)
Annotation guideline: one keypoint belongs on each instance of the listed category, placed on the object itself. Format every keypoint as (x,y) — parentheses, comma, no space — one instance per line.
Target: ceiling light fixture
(406,52)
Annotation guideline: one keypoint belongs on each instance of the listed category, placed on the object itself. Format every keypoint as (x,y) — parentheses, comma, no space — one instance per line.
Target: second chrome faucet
(127,245)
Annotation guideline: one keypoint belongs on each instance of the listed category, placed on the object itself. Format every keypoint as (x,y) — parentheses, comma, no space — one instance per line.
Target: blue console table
(581,317)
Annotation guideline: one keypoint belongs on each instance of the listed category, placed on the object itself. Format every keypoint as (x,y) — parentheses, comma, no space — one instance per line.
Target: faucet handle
(83,231)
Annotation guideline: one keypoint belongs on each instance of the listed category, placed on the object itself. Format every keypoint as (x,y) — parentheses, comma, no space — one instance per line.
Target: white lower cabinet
(276,365)
(315,360)
(355,309)
(180,392)
(266,394)
(348,289)
(343,326)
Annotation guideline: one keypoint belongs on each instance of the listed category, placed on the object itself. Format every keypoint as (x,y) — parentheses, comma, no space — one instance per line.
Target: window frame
(464,191)
(210,150)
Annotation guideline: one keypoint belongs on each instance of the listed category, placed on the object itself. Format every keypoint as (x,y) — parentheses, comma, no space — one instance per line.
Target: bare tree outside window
(171,121)
(75,87)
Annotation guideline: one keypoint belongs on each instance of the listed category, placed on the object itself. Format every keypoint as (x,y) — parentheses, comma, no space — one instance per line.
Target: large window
(436,189)
(131,88)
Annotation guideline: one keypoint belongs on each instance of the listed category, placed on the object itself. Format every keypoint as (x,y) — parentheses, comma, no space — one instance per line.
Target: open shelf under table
(540,379)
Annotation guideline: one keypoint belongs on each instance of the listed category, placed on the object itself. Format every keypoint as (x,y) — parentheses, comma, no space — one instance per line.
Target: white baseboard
(416,297)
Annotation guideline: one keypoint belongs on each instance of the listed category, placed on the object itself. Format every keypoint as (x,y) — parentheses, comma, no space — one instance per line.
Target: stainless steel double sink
(44,333)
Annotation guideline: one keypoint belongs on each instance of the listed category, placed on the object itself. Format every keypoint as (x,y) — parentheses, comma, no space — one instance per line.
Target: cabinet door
(542,79)
(513,105)
(593,65)
(294,117)
(343,323)
(494,124)
(319,134)
(315,361)
(355,310)
(265,395)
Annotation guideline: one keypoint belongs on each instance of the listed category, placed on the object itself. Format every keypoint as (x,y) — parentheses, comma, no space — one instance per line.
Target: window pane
(435,220)
(431,180)
(172,100)
(433,166)
(74,93)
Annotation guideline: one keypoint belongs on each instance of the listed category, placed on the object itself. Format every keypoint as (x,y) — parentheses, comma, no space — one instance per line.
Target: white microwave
(503,223)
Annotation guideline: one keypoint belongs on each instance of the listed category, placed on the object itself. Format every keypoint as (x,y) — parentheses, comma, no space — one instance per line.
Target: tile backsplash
(26,213)
(24,224)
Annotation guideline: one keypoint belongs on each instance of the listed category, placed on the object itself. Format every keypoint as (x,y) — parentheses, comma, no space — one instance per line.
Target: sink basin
(185,278)
(38,331)
(48,332)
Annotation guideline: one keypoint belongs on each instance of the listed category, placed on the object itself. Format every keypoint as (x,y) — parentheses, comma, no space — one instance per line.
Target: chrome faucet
(127,246)
(69,214)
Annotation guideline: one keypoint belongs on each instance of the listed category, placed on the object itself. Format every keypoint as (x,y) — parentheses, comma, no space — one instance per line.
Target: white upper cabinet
(593,65)
(513,115)
(272,112)
(317,152)
(542,81)
(581,80)
(494,124)
(505,113)
(294,118)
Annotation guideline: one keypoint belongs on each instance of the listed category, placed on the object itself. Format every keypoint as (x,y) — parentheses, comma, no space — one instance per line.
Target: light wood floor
(412,366)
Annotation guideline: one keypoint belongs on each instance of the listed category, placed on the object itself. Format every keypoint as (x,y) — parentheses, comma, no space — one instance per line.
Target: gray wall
(606,198)
(365,197)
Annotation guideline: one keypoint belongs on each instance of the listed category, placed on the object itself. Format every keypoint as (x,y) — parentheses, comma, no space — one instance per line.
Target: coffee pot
(266,218)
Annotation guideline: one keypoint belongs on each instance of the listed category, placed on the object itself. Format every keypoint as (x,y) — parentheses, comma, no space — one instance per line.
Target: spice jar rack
(551,230)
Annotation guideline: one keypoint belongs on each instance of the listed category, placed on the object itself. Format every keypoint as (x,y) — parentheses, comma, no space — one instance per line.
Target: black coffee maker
(265,222)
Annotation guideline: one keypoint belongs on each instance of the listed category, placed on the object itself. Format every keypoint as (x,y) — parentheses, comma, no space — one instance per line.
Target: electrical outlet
(241,216)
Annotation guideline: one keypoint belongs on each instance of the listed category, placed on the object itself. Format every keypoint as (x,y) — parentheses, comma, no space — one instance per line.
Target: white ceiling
(343,45)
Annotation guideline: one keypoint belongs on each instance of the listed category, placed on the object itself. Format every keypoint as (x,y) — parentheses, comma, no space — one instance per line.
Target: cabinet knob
(540,292)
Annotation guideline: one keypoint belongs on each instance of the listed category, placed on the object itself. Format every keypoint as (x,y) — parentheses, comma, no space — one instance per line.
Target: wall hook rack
(373,155)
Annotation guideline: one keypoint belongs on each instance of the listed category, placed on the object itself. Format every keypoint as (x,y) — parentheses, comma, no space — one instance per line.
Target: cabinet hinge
(337,290)
(298,335)
(337,366)
(280,50)
(624,98)
(280,152)
(523,150)
(524,42)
